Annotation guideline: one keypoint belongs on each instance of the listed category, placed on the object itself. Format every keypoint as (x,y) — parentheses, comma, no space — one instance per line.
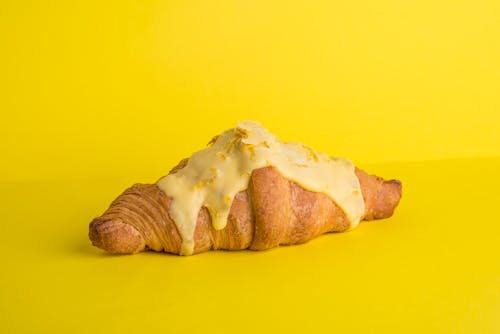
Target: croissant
(271,210)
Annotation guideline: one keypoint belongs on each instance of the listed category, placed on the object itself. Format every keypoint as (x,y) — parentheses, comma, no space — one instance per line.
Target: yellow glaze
(213,176)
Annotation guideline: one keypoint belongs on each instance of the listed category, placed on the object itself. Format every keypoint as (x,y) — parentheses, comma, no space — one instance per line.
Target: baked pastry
(246,190)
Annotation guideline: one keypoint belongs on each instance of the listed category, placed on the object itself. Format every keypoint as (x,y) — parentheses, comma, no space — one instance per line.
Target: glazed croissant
(272,211)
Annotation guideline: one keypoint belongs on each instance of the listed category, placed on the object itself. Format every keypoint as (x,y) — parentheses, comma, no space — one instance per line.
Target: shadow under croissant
(214,252)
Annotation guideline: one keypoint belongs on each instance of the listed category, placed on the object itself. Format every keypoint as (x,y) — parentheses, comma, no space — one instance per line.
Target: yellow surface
(97,95)
(433,267)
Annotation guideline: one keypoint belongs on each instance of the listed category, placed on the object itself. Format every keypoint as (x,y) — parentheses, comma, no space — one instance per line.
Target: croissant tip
(393,195)
(397,184)
(115,237)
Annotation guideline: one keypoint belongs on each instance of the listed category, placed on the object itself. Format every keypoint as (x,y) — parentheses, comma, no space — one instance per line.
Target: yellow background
(97,95)
(91,87)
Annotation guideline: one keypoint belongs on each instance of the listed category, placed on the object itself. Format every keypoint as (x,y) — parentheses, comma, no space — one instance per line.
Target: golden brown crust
(115,236)
(381,197)
(270,195)
(239,232)
(272,211)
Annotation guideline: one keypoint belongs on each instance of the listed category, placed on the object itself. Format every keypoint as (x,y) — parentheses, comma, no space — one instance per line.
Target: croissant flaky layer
(273,211)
